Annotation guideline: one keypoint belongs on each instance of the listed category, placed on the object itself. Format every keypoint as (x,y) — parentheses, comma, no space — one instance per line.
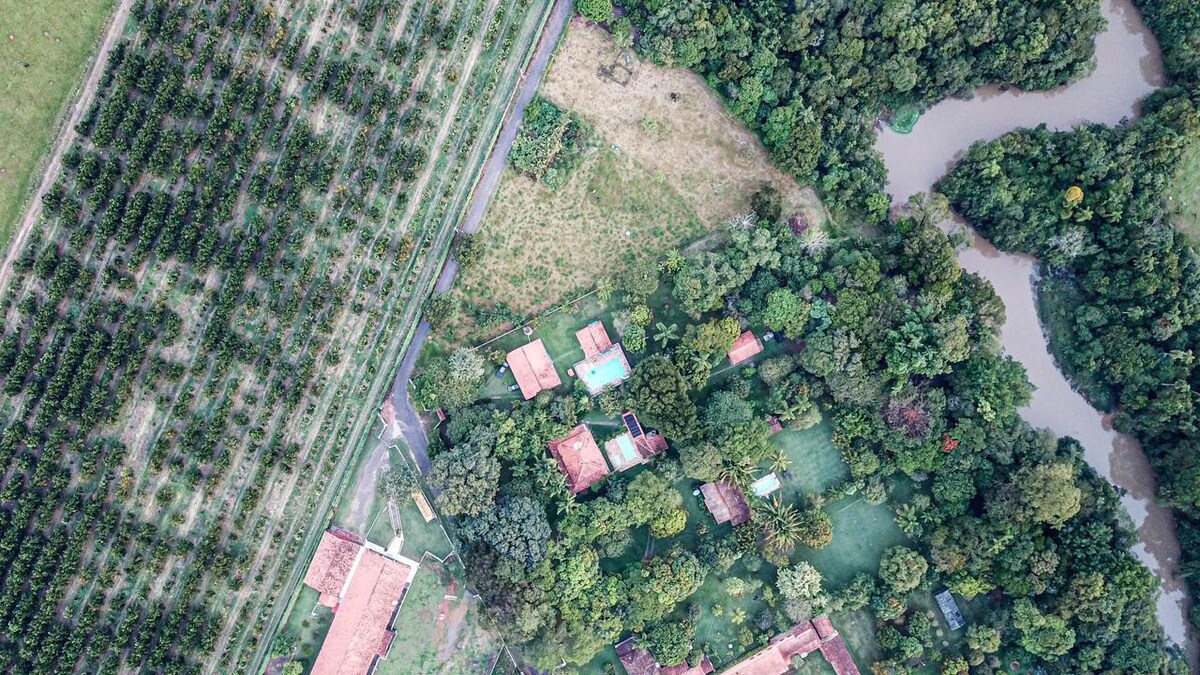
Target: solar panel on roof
(635,429)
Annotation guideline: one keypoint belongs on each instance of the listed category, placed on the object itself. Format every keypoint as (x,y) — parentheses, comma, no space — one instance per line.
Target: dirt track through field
(116,25)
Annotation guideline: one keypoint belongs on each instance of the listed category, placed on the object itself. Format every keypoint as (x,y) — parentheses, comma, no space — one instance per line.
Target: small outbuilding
(726,502)
(949,607)
(745,347)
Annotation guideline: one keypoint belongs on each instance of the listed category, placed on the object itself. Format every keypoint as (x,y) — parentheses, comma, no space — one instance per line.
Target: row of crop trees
(178,256)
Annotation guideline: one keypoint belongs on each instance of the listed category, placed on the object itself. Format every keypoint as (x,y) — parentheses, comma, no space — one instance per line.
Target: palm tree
(666,334)
(673,262)
(739,472)
(781,524)
(781,462)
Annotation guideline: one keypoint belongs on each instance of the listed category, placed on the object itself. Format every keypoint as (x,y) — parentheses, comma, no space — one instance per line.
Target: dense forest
(813,78)
(1123,288)
(251,199)
(898,347)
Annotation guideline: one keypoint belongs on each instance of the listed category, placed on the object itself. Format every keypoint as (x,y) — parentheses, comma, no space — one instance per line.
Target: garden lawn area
(861,533)
(436,634)
(43,48)
(667,164)
(308,623)
(815,465)
(557,332)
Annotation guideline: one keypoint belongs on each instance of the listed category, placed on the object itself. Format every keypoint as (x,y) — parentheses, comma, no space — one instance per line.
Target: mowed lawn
(44,46)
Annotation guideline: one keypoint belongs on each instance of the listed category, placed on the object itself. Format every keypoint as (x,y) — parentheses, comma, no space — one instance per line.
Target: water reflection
(1128,66)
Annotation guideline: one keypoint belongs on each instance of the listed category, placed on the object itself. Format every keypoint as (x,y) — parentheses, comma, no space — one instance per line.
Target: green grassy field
(43,50)
(815,465)
(437,629)
(1183,198)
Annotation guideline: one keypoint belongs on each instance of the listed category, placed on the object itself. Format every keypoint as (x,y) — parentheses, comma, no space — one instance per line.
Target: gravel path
(411,428)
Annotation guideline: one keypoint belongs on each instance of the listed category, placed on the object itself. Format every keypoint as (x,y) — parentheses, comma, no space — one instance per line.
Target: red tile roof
(726,502)
(824,627)
(579,458)
(838,656)
(775,425)
(533,368)
(637,661)
(331,565)
(593,339)
(802,640)
(361,622)
(744,348)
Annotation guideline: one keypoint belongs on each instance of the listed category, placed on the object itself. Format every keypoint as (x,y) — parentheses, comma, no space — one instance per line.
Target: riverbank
(1128,67)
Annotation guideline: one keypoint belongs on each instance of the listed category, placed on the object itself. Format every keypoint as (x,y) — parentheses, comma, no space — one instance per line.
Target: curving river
(1128,66)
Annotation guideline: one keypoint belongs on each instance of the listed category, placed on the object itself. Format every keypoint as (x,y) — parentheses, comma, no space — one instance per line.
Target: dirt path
(116,26)
(407,416)
(364,488)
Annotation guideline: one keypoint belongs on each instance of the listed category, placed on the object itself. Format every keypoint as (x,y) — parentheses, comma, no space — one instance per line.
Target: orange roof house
(604,364)
(331,565)
(744,348)
(802,640)
(579,458)
(364,604)
(593,339)
(726,502)
(635,446)
(534,369)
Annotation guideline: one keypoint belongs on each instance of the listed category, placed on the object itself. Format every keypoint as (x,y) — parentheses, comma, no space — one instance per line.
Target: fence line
(552,310)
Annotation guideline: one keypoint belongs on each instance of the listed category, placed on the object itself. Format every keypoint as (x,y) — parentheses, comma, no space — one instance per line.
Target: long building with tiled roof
(364,586)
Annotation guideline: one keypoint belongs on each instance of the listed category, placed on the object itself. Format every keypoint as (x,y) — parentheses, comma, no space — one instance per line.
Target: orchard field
(199,329)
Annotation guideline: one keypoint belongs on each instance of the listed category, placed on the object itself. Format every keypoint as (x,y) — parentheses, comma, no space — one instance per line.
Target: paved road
(407,417)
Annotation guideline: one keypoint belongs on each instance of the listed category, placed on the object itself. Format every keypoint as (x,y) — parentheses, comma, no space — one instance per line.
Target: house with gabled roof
(579,458)
(726,502)
(745,347)
(364,586)
(802,640)
(533,368)
(635,446)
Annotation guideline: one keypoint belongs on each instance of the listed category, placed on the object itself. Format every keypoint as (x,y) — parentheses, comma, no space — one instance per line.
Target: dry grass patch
(667,164)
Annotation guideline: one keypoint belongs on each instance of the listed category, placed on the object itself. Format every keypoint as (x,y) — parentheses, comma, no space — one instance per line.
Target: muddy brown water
(1128,67)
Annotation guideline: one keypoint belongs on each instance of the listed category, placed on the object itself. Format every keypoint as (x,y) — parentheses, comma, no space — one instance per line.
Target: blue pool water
(765,485)
(628,453)
(604,374)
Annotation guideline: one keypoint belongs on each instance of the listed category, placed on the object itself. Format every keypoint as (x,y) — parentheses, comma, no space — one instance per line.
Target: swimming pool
(600,374)
(765,485)
(629,454)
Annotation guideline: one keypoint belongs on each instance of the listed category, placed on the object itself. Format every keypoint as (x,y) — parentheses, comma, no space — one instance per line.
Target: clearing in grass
(1183,197)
